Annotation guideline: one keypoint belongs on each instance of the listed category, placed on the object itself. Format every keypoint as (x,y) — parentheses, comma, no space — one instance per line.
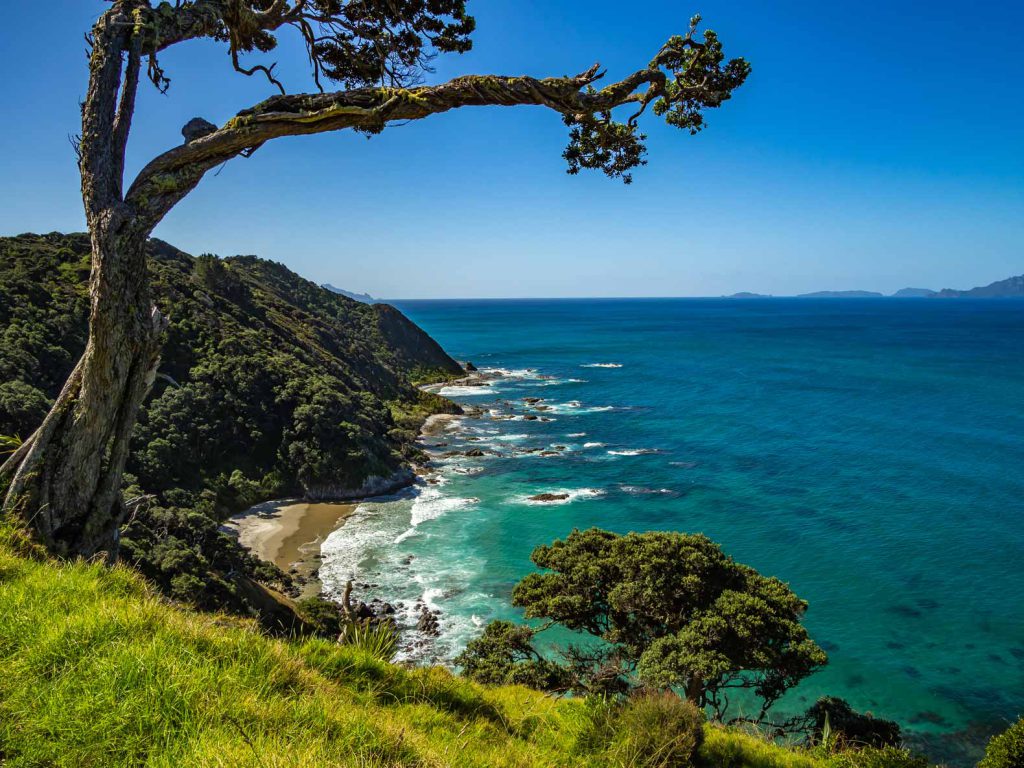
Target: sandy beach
(289,534)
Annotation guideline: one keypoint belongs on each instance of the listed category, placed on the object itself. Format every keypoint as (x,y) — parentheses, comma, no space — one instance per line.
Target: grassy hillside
(98,670)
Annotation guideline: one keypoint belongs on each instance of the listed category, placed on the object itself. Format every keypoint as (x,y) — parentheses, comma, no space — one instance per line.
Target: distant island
(365,298)
(1010,288)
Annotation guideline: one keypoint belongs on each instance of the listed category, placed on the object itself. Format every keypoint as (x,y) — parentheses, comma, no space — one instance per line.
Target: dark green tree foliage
(701,79)
(269,386)
(504,655)
(1007,749)
(262,372)
(850,727)
(673,611)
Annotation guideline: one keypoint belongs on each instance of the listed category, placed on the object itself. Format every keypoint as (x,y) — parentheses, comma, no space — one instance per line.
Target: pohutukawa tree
(66,477)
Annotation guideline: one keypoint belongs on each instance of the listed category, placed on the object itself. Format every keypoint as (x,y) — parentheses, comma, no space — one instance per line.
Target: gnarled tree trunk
(68,482)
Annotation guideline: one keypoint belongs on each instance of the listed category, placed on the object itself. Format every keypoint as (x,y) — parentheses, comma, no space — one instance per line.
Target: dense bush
(849,726)
(269,386)
(667,610)
(1007,749)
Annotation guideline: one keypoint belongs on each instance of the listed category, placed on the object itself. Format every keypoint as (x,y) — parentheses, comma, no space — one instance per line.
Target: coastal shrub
(504,655)
(672,611)
(1006,750)
(322,614)
(649,729)
(22,407)
(849,726)
(656,730)
(378,638)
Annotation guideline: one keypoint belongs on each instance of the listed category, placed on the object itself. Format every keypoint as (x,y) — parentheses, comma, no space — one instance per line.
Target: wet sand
(289,534)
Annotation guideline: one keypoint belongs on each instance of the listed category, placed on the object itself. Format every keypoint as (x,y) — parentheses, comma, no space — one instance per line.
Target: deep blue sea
(868,452)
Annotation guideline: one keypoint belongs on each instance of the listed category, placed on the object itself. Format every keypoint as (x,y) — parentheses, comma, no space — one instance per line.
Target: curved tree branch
(169,177)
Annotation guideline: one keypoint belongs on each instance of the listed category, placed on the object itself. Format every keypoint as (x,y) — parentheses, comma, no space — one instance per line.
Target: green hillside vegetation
(127,678)
(269,386)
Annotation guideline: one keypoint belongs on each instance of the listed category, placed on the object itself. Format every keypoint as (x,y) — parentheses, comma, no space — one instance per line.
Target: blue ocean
(868,452)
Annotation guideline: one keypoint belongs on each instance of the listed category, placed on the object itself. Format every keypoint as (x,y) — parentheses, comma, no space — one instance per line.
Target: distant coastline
(1010,288)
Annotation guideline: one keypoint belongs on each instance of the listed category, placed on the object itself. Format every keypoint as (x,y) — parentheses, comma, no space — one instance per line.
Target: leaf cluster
(672,611)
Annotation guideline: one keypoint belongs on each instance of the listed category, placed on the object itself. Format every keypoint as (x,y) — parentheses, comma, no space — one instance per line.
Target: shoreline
(290,532)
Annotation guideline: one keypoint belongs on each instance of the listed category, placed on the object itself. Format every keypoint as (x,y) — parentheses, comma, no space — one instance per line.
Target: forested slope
(269,386)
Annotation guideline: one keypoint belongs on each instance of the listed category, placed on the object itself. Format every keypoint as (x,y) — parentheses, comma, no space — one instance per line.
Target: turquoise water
(870,453)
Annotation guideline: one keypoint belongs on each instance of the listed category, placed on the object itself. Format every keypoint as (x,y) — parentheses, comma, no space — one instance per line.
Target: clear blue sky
(876,145)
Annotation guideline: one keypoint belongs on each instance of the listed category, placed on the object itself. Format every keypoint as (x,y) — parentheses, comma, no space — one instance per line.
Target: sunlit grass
(97,670)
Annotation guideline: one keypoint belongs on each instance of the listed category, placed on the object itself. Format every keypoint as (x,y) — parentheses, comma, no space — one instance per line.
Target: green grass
(97,670)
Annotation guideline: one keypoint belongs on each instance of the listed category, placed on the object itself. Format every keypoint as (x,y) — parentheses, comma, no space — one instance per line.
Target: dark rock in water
(530,417)
(549,453)
(470,367)
(474,453)
(549,496)
(1017,653)
(828,647)
(428,623)
(542,407)
(546,419)
(532,400)
(558,447)
(363,611)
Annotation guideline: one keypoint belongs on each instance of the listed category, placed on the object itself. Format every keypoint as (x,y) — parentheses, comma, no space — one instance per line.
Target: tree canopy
(671,611)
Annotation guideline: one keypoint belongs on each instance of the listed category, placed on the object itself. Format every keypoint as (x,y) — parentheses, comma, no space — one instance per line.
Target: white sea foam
(571,494)
(601,365)
(468,390)
(409,570)
(638,490)
(575,408)
(512,373)
(461,470)
(577,434)
(633,451)
(593,445)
